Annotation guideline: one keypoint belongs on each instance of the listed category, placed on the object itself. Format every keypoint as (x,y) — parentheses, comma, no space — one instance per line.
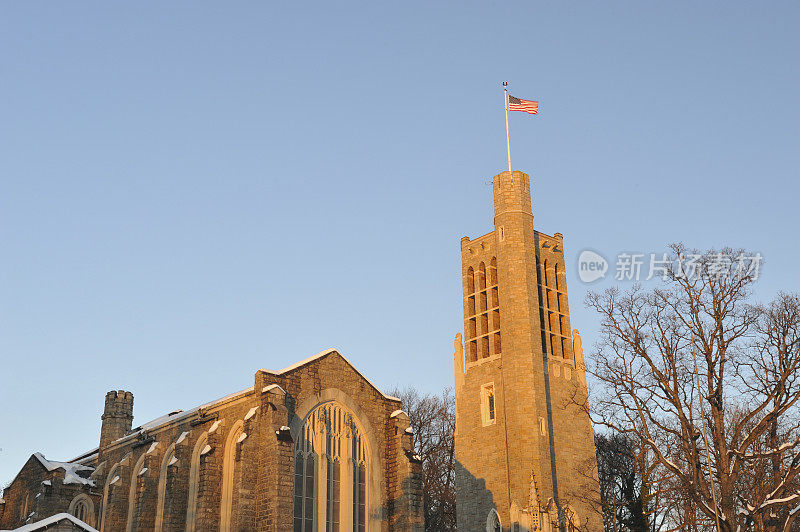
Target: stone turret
(117,417)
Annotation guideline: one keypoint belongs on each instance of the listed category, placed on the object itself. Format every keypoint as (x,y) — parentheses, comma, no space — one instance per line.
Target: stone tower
(117,417)
(524,446)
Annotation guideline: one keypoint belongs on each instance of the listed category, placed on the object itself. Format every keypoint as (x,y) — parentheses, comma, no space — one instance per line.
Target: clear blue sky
(192,191)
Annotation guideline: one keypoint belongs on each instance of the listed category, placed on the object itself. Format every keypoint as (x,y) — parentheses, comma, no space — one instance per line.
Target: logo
(591,266)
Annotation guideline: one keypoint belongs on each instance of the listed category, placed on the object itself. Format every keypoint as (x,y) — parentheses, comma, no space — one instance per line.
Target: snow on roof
(397,413)
(323,354)
(271,387)
(303,362)
(87,456)
(71,475)
(44,523)
(180,414)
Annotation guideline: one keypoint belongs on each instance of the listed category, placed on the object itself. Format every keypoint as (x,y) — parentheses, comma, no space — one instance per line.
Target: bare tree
(624,473)
(724,434)
(433,420)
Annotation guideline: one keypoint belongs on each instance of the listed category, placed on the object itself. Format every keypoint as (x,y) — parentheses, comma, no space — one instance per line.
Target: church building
(524,445)
(312,447)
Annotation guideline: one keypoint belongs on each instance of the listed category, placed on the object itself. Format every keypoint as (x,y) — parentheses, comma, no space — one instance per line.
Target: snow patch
(172,462)
(251,413)
(241,437)
(71,470)
(181,438)
(206,450)
(215,426)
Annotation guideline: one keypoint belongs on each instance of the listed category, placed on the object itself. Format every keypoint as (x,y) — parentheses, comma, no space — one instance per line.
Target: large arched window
(331,472)
(82,507)
(194,480)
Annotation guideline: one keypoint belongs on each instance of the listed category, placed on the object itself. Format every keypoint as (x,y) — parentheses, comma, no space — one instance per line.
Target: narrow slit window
(488,404)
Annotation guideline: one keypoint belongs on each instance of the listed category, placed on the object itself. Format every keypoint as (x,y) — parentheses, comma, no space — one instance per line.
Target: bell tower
(524,445)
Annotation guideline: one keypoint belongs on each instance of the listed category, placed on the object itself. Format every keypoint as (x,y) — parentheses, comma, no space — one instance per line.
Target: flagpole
(508,138)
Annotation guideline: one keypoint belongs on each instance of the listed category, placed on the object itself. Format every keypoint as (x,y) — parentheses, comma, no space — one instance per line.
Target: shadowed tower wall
(524,446)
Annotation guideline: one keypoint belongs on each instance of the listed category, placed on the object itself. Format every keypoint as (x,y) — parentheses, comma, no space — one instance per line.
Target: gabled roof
(52,520)
(321,355)
(180,414)
(70,470)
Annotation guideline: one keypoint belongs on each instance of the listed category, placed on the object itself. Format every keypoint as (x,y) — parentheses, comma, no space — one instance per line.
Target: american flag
(526,106)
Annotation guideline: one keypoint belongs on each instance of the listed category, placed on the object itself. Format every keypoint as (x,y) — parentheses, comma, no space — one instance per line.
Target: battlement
(118,404)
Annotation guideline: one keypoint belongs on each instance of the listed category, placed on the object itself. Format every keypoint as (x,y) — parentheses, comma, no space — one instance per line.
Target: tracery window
(80,511)
(359,484)
(305,474)
(82,507)
(330,477)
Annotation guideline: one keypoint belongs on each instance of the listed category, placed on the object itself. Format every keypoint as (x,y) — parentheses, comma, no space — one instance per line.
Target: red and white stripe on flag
(526,106)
